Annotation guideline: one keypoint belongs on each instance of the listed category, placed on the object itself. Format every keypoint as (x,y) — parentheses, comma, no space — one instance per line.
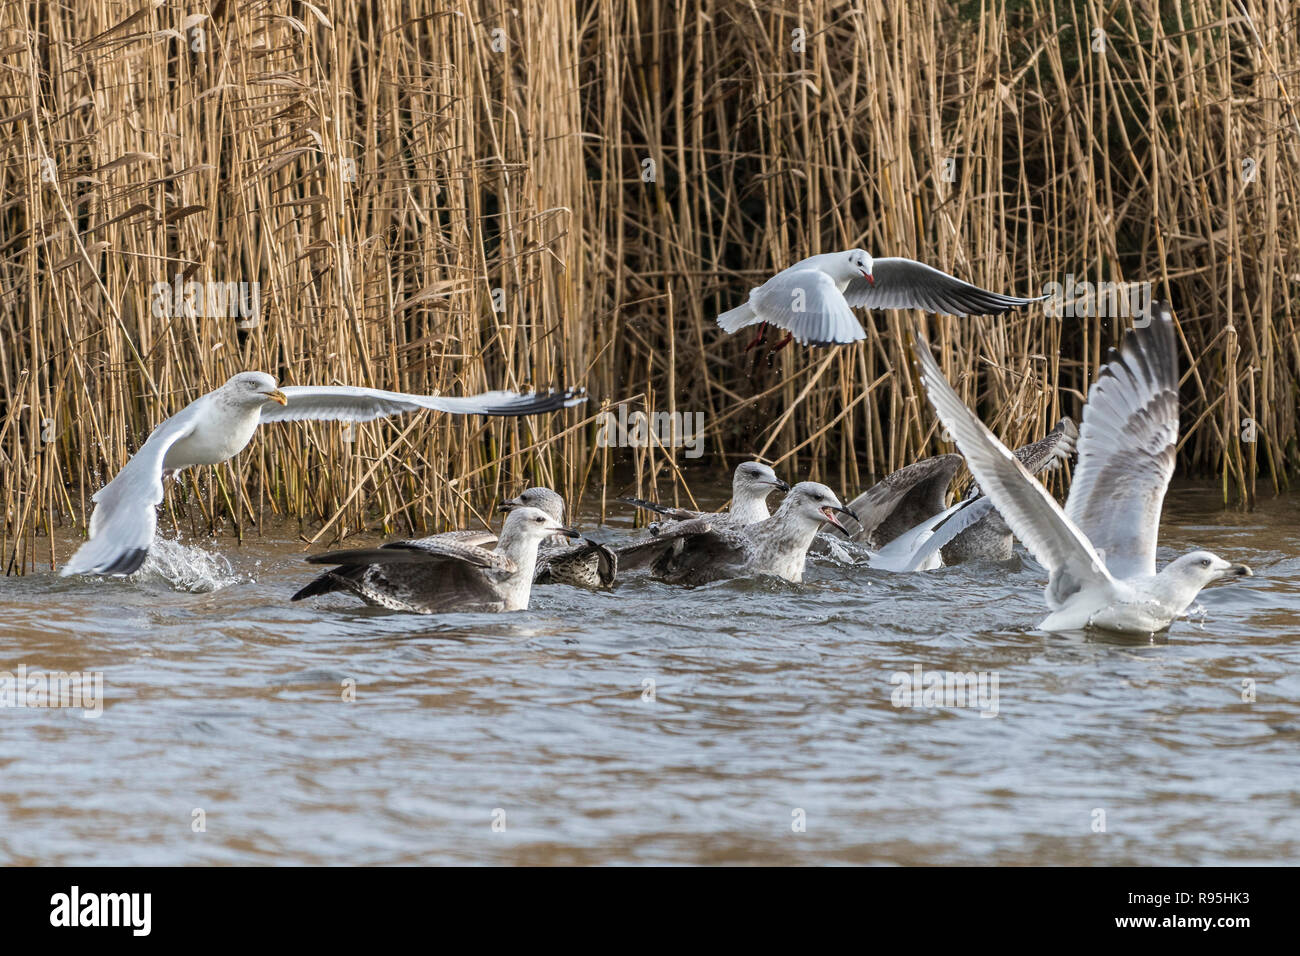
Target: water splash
(188,568)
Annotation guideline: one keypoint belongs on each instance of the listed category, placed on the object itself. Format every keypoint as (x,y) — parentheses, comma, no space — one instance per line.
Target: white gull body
(1100,550)
(814,299)
(218,425)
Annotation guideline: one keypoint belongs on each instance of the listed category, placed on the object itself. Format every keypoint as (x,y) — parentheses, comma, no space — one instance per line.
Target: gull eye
(1205,562)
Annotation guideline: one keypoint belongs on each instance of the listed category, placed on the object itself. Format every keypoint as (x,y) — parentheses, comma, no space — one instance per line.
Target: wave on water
(188,568)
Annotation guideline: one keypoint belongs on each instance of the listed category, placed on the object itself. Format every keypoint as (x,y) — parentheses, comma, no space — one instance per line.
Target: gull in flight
(218,425)
(1100,550)
(813,300)
(703,549)
(446,572)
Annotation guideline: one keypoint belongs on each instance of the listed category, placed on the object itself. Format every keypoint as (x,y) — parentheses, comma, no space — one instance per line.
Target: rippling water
(768,735)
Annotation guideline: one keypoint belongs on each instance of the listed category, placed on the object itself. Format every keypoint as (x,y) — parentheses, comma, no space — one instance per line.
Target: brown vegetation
(140,140)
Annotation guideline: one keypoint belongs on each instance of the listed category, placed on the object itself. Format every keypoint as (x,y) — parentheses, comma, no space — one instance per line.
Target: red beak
(871,280)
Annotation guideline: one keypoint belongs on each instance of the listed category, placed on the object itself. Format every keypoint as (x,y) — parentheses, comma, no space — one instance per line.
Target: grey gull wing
(126,509)
(1127,446)
(444,570)
(350,403)
(898,283)
(1032,514)
(903,499)
(991,539)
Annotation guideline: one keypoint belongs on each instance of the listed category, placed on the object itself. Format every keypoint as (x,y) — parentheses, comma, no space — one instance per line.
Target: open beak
(779,485)
(508,505)
(829,513)
(275,395)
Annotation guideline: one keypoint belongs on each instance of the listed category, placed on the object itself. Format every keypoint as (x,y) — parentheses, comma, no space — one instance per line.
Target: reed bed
(439,196)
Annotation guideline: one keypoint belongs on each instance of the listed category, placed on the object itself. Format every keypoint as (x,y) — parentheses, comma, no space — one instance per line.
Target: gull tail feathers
(737,318)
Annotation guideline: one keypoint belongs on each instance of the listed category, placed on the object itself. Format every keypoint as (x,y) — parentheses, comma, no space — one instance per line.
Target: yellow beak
(278,396)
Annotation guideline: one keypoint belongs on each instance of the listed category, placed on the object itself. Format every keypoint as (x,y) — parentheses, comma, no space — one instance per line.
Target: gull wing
(908,284)
(962,518)
(910,551)
(683,545)
(1032,514)
(806,303)
(125,516)
(1127,447)
(1048,452)
(677,514)
(439,548)
(587,563)
(353,404)
(902,500)
(452,564)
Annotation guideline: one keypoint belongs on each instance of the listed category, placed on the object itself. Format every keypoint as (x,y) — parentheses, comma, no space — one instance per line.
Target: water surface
(770,737)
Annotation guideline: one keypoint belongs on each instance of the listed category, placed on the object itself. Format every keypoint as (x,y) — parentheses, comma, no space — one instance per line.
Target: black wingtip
(647,505)
(128,563)
(539,403)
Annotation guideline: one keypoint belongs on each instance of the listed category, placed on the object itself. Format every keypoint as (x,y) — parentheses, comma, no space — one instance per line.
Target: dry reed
(620,171)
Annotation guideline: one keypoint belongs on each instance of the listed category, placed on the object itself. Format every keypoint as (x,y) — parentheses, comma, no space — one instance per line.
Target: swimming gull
(1100,550)
(751,484)
(904,519)
(588,564)
(813,300)
(446,572)
(700,550)
(217,426)
(986,536)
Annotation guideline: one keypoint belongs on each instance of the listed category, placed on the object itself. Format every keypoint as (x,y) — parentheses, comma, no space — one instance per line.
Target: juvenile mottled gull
(813,299)
(751,484)
(588,564)
(988,538)
(1100,550)
(445,572)
(218,425)
(699,550)
(904,518)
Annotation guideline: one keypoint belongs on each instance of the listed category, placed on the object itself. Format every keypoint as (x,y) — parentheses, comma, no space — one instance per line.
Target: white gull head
(752,482)
(251,389)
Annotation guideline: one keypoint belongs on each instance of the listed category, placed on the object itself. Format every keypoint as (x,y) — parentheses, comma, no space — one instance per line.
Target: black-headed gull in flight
(813,300)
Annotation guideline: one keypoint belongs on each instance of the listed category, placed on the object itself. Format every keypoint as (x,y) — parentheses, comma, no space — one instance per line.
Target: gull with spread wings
(1100,549)
(452,572)
(813,300)
(217,426)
